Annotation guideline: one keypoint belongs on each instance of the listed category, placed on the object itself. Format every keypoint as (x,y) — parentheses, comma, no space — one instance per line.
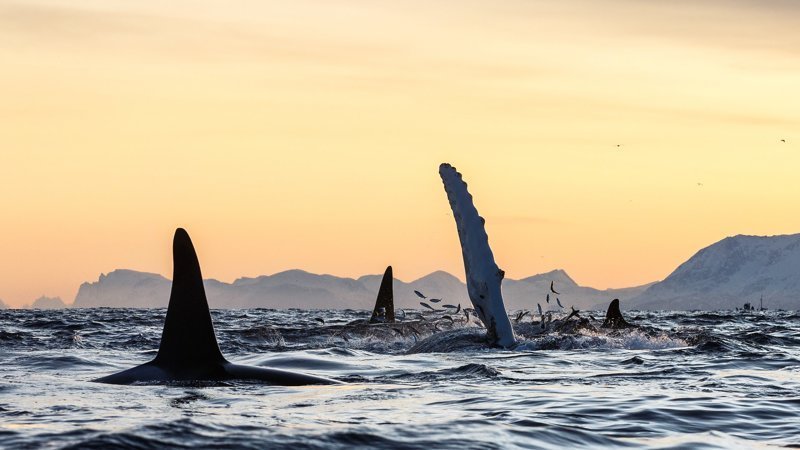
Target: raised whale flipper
(385,301)
(483,275)
(614,319)
(189,349)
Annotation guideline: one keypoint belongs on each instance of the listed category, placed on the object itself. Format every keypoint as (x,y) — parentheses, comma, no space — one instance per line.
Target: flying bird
(434,300)
(459,308)
(548,298)
(783,140)
(420,294)
(552,289)
(540,309)
(427,306)
(449,306)
(559,303)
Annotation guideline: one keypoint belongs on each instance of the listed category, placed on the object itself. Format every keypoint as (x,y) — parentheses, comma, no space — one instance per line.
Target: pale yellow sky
(307,134)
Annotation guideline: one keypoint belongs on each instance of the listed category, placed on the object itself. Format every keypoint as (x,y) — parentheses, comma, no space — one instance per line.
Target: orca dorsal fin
(188,339)
(385,300)
(614,317)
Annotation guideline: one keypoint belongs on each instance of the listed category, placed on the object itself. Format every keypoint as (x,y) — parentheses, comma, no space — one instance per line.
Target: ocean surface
(685,380)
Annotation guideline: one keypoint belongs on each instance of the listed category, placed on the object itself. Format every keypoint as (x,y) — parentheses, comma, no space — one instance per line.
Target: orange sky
(307,134)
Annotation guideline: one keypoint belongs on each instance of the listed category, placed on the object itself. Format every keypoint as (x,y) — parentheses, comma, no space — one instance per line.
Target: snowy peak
(731,272)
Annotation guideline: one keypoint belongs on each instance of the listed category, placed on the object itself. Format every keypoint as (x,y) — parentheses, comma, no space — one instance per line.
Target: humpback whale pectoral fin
(484,277)
(188,338)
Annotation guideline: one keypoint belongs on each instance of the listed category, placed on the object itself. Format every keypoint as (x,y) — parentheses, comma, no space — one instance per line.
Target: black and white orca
(614,319)
(189,349)
(384,303)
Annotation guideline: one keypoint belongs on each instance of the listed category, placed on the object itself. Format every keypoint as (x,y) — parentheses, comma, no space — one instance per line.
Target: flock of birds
(455,309)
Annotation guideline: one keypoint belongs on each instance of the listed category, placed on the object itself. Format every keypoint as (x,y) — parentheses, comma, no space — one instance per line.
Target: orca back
(188,339)
(385,298)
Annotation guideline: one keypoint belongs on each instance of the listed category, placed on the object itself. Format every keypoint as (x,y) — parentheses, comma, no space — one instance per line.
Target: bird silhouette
(559,303)
(420,294)
(540,309)
(548,298)
(553,289)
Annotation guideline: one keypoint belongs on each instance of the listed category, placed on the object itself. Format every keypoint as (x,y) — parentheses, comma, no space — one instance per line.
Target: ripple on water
(684,380)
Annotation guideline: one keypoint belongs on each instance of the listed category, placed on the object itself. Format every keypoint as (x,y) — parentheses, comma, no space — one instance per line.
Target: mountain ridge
(730,272)
(298,288)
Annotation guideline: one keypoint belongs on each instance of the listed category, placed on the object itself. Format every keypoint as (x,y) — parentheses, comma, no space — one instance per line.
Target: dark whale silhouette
(614,319)
(384,304)
(189,349)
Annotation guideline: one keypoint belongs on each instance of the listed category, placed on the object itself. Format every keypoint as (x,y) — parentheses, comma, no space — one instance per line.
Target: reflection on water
(705,380)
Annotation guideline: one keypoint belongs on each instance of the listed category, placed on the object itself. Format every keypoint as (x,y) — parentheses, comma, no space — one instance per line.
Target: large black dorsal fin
(614,317)
(188,339)
(384,304)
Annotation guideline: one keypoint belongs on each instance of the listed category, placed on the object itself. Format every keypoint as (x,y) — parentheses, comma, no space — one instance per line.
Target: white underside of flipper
(483,275)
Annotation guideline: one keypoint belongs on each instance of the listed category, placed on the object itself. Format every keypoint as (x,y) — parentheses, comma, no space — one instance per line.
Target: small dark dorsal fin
(385,300)
(614,317)
(188,339)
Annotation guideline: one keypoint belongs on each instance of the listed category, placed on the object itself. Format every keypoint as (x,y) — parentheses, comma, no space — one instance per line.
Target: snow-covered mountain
(299,289)
(729,273)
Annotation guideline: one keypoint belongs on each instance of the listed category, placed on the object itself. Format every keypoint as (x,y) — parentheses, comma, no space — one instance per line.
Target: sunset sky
(308,134)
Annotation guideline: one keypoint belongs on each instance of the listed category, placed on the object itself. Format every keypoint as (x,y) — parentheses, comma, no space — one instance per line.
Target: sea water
(710,380)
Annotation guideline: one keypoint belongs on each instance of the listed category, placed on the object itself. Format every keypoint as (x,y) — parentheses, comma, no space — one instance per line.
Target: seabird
(434,300)
(548,298)
(559,303)
(540,309)
(419,294)
(552,289)
(427,306)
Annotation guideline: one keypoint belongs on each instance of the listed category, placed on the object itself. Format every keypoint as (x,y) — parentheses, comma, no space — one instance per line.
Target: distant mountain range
(724,275)
(48,303)
(729,273)
(299,289)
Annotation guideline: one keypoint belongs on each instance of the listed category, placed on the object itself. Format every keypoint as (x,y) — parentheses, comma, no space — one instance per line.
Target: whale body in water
(189,349)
